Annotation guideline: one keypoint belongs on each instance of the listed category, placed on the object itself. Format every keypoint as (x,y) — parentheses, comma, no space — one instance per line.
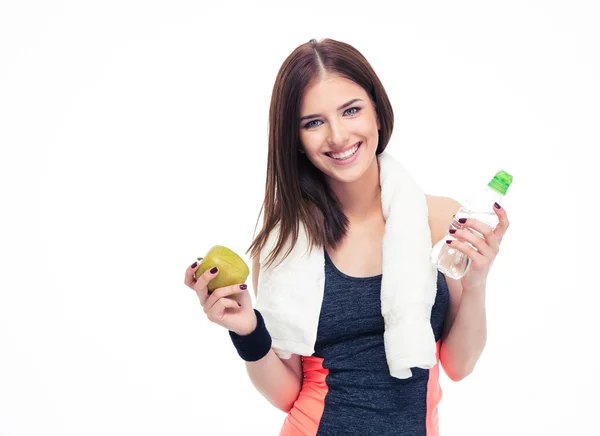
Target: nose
(338,134)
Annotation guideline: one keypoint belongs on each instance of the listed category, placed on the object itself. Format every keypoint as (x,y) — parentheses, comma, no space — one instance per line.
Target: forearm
(466,339)
(277,382)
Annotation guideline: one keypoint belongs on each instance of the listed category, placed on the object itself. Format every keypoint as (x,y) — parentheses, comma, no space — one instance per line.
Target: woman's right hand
(229,307)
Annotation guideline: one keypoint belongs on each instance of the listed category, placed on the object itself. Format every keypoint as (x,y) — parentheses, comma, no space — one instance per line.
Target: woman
(330,118)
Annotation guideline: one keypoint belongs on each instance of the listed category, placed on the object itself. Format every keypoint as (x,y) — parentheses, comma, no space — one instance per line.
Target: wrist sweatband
(256,345)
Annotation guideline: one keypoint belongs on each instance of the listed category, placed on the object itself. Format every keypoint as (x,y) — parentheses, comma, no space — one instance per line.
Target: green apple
(232,268)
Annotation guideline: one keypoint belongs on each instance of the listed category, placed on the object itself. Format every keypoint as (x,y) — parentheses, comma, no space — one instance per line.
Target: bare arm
(465,329)
(465,332)
(278,380)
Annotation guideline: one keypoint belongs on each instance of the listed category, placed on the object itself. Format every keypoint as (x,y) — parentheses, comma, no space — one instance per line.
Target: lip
(346,149)
(348,161)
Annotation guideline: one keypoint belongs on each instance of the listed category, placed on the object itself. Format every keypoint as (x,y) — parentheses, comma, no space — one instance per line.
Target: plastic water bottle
(448,260)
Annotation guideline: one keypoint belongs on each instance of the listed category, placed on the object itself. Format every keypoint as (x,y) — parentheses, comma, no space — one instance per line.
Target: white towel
(290,292)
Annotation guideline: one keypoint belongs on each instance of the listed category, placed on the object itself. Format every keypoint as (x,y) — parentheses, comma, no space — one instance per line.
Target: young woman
(330,118)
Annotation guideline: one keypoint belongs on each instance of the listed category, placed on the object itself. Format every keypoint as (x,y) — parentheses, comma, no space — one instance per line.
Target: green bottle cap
(501,182)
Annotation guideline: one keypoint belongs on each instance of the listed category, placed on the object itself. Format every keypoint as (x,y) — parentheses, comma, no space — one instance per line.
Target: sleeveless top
(347,388)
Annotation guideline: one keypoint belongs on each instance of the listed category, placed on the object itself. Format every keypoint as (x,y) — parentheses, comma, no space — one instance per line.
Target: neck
(362,198)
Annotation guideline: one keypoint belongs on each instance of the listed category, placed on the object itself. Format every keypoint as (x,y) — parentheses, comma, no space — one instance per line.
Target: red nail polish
(448,241)
(497,206)
(214,270)
(462,220)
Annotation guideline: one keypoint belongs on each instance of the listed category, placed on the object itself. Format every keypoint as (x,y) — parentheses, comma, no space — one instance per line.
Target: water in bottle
(450,261)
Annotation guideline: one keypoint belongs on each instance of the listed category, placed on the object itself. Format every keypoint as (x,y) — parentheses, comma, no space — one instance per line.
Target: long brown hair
(295,189)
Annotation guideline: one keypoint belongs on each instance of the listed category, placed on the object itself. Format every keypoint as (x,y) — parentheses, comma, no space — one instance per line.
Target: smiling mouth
(345,154)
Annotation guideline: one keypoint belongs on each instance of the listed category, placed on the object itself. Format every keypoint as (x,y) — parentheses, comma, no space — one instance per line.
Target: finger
(223,293)
(466,249)
(201,285)
(479,226)
(244,299)
(502,221)
(219,309)
(189,278)
(481,229)
(484,247)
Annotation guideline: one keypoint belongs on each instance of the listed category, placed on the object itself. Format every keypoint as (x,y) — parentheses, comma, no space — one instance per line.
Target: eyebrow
(307,117)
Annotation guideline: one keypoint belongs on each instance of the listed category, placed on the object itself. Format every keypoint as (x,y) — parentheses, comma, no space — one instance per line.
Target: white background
(133,138)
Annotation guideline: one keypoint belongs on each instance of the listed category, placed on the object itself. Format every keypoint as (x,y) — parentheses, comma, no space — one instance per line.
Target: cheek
(366,124)
(371,123)
(311,140)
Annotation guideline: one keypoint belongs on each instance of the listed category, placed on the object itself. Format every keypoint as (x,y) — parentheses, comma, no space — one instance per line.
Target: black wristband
(256,345)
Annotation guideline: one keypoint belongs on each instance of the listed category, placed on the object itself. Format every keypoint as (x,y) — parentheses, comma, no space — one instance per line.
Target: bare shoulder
(441,209)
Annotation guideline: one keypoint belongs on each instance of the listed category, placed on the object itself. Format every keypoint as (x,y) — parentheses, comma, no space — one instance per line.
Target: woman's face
(338,128)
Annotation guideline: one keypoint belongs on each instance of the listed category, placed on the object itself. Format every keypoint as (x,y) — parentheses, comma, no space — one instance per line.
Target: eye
(355,109)
(310,124)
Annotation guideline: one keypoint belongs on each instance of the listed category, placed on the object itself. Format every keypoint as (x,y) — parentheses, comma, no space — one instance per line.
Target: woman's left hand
(486,246)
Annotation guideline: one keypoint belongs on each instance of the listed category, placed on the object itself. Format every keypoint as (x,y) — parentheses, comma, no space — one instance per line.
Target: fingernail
(463,220)
(452,231)
(214,270)
(239,304)
(497,206)
(448,241)
(243,287)
(194,265)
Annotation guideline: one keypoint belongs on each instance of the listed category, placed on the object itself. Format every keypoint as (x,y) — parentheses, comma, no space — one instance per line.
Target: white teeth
(344,155)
